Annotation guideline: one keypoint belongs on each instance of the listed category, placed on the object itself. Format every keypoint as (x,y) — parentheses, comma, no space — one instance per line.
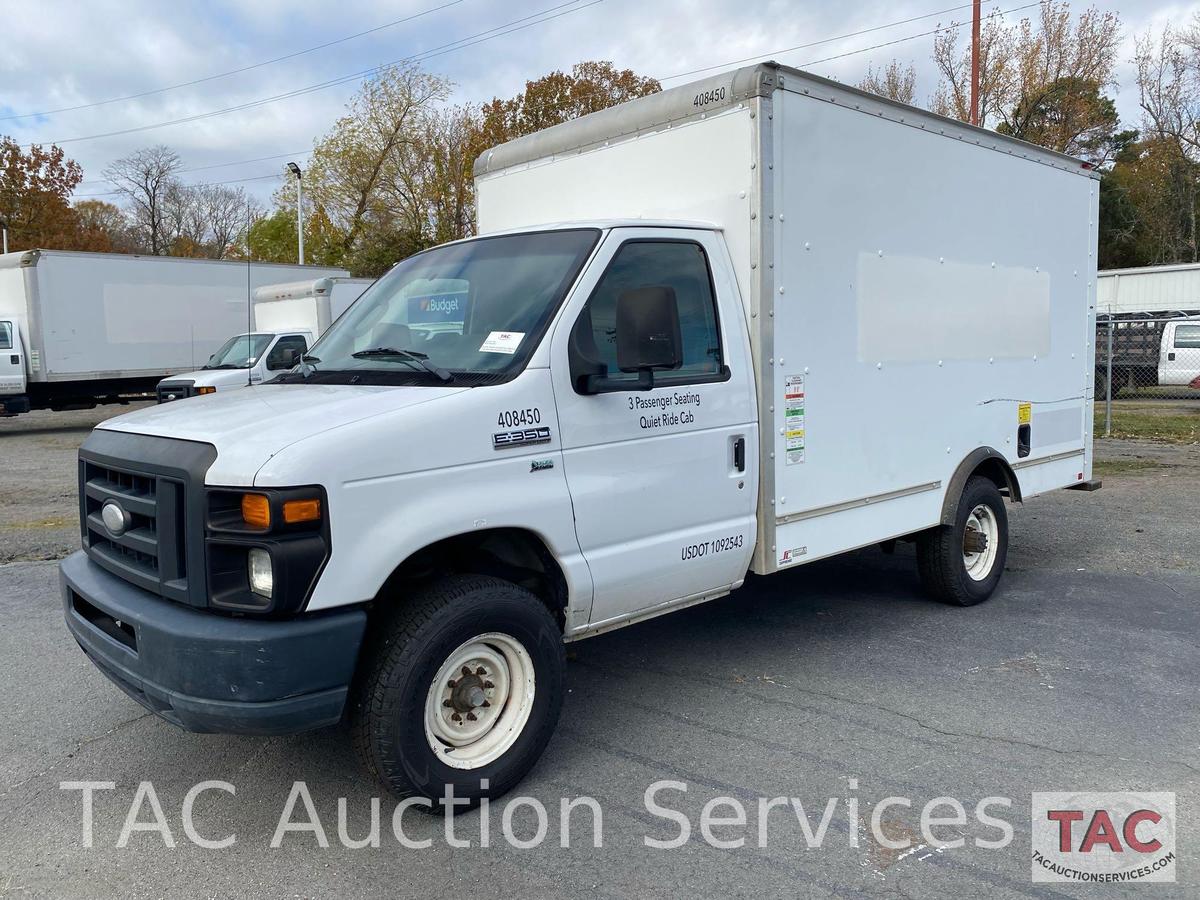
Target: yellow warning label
(1024,413)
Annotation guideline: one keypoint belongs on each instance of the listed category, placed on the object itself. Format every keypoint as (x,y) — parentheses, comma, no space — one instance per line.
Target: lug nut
(466,671)
(452,684)
(470,717)
(481,671)
(488,685)
(447,703)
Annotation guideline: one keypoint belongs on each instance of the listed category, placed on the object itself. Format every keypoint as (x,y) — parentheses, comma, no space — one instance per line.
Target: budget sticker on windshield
(502,342)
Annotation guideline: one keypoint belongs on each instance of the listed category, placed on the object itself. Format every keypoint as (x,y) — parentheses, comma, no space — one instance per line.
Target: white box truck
(772,319)
(287,318)
(88,328)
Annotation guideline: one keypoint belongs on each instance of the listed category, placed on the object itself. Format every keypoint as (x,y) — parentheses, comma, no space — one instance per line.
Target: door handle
(1171,357)
(739,454)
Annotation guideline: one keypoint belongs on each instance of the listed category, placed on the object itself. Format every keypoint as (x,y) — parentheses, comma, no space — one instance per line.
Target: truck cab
(1179,355)
(249,358)
(13,399)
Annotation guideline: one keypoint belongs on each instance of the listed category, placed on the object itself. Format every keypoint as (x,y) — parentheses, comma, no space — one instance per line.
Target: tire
(510,640)
(949,571)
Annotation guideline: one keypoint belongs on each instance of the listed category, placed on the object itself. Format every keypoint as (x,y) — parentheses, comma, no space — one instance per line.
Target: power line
(913,37)
(258,65)
(236,162)
(734,62)
(204,184)
(460,44)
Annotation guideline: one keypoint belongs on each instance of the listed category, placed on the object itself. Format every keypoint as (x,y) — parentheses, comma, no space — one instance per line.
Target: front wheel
(962,563)
(463,690)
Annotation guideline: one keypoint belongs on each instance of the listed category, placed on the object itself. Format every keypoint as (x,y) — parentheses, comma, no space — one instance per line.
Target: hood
(222,378)
(249,425)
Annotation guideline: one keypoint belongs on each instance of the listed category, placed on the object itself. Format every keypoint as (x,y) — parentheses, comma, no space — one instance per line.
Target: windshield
(240,352)
(468,312)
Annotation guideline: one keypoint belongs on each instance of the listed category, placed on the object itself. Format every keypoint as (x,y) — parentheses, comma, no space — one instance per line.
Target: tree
(35,187)
(558,97)
(1040,82)
(146,178)
(273,238)
(102,227)
(1168,76)
(895,81)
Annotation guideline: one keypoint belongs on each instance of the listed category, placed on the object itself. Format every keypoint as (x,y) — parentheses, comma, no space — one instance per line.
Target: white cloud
(60,53)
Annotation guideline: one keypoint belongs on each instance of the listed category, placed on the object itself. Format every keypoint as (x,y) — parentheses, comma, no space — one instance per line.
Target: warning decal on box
(793,419)
(1024,413)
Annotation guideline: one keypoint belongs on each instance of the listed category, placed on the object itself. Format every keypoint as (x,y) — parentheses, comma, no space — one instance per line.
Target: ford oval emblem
(116,519)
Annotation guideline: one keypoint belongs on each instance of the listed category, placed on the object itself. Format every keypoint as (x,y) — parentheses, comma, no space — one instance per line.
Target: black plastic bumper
(206,672)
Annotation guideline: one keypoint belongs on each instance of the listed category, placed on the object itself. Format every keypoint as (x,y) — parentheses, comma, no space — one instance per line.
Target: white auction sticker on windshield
(502,342)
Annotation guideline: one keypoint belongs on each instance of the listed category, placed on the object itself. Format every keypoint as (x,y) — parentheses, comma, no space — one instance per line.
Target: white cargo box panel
(915,288)
(103,315)
(305,305)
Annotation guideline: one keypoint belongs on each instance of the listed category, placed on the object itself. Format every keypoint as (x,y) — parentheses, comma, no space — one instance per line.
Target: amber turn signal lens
(301,511)
(206,389)
(256,510)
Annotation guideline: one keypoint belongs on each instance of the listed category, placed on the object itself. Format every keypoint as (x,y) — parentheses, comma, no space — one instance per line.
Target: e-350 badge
(502,440)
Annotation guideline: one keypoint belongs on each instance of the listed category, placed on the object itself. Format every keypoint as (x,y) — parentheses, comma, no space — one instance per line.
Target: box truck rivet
(553,430)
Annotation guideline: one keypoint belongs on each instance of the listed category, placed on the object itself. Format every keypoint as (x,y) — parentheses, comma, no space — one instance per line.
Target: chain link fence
(1148,375)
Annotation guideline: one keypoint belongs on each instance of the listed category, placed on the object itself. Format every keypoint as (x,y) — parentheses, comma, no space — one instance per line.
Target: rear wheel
(463,689)
(962,563)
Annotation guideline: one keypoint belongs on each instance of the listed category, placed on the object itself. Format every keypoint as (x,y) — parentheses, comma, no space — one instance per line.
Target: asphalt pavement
(836,681)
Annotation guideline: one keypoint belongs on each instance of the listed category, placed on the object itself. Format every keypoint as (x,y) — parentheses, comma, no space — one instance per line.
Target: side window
(679,265)
(6,336)
(1187,337)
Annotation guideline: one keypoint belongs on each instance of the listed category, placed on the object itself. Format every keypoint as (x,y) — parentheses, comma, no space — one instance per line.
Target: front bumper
(206,672)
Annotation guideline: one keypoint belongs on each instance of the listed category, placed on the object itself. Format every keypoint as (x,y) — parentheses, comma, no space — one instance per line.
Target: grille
(175,390)
(150,552)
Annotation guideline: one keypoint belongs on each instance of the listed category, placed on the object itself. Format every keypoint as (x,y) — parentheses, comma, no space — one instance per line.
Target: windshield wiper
(408,356)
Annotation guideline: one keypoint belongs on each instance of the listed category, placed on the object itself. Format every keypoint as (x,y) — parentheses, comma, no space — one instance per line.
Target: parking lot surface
(835,680)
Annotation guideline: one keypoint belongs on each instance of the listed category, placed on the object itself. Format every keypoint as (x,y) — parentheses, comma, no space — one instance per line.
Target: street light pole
(4,229)
(295,170)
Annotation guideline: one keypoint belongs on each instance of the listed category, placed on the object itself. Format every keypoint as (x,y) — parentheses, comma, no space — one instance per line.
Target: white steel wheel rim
(983,521)
(479,701)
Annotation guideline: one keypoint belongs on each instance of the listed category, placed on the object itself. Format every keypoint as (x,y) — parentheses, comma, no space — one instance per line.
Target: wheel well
(989,464)
(514,554)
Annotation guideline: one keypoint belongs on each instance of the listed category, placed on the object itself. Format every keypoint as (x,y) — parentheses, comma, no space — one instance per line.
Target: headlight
(265,548)
(258,566)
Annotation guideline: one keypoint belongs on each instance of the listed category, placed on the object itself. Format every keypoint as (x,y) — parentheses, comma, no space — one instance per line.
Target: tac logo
(1103,837)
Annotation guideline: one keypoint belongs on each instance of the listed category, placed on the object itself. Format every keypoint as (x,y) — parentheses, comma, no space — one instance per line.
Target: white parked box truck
(772,319)
(287,318)
(88,328)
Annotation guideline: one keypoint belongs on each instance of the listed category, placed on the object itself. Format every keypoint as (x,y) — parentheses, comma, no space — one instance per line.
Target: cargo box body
(914,288)
(106,316)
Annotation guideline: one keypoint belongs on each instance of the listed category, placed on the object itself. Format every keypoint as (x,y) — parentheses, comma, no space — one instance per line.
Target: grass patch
(1174,428)
(1108,467)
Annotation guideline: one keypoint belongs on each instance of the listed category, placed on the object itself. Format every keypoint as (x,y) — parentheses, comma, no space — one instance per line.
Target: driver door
(663,481)
(12,363)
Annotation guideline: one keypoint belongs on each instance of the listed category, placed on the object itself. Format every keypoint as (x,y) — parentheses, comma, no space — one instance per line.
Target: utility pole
(4,229)
(975,62)
(295,170)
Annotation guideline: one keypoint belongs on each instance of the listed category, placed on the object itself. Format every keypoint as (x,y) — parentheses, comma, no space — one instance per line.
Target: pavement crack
(990,737)
(78,746)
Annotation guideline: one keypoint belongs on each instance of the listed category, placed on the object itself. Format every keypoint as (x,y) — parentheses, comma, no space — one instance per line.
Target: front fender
(381,522)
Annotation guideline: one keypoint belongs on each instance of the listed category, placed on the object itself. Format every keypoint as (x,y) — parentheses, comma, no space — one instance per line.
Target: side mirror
(647,338)
(283,359)
(648,335)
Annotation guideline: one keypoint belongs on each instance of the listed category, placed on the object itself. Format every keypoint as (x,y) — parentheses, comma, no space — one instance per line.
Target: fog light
(262,579)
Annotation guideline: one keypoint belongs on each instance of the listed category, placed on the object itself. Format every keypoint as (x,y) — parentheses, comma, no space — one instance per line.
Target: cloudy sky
(61,59)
